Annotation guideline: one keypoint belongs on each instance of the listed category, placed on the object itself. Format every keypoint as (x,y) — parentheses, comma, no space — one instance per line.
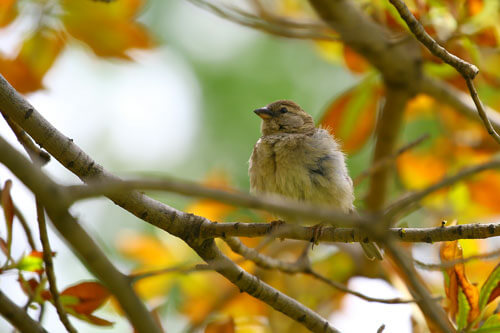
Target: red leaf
(352,116)
(90,295)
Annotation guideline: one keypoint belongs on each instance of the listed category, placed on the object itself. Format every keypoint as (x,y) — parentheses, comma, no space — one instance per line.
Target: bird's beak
(264,113)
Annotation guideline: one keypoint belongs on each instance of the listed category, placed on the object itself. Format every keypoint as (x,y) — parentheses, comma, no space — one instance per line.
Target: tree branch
(349,235)
(404,202)
(177,223)
(303,266)
(49,268)
(444,93)
(386,133)
(468,71)
(18,317)
(429,307)
(52,197)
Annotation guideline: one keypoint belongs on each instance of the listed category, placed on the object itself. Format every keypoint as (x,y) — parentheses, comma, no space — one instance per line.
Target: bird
(295,159)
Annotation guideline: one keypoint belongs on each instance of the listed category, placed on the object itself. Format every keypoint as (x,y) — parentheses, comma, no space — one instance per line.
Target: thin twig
(481,111)
(388,159)
(302,265)
(466,69)
(404,202)
(451,263)
(49,268)
(40,155)
(274,25)
(174,269)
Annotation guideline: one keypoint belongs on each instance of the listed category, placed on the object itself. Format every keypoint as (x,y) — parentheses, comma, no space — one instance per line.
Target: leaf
(463,310)
(31,263)
(490,289)
(351,116)
(36,57)
(491,325)
(85,298)
(356,63)
(452,251)
(8,12)
(107,27)
(221,326)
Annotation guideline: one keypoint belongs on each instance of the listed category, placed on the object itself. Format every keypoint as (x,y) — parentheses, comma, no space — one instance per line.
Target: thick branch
(388,126)
(399,63)
(18,317)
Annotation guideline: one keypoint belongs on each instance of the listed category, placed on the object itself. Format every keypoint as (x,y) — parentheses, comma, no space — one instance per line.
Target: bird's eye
(283,110)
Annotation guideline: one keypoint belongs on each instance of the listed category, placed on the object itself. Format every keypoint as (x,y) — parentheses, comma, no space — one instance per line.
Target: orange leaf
(212,209)
(474,7)
(356,63)
(221,326)
(107,27)
(90,296)
(484,190)
(351,117)
(8,12)
(37,55)
(452,251)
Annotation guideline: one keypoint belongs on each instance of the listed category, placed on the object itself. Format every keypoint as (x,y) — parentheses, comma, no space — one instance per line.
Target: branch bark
(18,317)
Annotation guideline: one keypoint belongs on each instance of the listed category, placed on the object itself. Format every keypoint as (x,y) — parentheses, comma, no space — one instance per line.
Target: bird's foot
(317,232)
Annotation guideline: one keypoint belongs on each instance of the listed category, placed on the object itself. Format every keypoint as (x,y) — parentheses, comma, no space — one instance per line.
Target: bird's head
(284,117)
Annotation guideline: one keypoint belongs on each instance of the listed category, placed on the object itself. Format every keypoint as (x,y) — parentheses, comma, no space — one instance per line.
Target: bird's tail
(372,251)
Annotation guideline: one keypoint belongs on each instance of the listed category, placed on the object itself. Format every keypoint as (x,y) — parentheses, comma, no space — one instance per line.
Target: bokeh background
(181,105)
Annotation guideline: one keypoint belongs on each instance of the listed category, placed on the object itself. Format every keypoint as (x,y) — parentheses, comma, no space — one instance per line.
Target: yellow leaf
(8,12)
(107,27)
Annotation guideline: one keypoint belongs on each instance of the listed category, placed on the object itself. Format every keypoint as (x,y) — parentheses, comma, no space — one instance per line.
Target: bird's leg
(317,231)
(274,225)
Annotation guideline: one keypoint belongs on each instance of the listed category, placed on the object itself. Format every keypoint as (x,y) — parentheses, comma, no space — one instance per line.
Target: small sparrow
(295,159)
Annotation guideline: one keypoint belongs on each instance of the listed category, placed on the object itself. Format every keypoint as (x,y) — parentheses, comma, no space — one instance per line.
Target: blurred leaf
(418,170)
(455,280)
(491,325)
(212,209)
(463,310)
(490,289)
(85,297)
(221,326)
(8,12)
(37,54)
(351,116)
(31,263)
(4,247)
(356,63)
(107,27)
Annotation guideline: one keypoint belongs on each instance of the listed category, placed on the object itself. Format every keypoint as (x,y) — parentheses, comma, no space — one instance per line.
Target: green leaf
(491,325)
(491,284)
(463,310)
(30,263)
